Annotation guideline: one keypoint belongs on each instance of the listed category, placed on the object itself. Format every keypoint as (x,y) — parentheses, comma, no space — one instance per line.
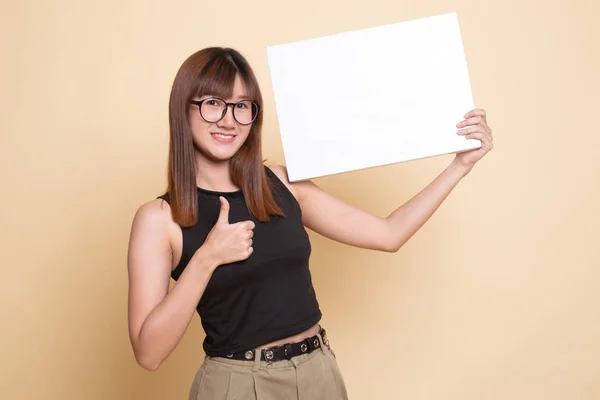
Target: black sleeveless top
(269,295)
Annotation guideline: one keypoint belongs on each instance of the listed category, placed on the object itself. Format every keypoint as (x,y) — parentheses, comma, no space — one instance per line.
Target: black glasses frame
(199,104)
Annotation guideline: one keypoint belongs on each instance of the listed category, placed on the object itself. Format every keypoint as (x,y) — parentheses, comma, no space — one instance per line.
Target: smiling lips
(223,137)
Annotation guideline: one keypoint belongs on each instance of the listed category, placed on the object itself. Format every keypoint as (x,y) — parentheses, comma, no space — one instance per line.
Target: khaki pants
(313,376)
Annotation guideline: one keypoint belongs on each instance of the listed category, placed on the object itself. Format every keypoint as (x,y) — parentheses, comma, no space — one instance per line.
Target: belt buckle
(287,350)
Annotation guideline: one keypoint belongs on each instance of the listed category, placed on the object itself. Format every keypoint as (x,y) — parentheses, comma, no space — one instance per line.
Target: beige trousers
(314,376)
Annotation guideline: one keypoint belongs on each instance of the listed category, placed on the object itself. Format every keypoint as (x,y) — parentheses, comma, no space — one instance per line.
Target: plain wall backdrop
(496,297)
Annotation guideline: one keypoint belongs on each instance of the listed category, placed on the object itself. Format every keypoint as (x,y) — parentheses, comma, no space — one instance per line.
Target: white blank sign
(371,97)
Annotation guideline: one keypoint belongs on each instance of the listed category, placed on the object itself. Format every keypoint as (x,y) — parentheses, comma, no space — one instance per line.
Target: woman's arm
(159,318)
(342,222)
(407,219)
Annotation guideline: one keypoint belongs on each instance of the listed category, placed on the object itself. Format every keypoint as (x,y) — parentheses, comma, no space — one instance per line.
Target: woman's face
(219,141)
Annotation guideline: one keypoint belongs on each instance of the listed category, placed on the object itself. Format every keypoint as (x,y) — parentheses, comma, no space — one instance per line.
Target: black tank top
(265,297)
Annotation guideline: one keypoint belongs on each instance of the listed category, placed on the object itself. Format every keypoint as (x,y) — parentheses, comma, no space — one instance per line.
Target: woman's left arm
(347,224)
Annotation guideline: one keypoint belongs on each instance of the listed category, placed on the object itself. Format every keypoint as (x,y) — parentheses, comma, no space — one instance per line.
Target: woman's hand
(474,126)
(227,243)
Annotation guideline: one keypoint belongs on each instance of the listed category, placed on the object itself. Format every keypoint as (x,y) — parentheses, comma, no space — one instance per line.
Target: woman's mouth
(223,137)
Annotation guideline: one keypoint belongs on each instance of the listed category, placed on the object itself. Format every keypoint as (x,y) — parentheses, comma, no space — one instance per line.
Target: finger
(249,225)
(224,213)
(250,250)
(250,235)
(471,121)
(249,243)
(485,140)
(476,112)
(471,129)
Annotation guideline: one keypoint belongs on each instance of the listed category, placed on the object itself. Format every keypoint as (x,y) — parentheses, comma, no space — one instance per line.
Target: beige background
(496,297)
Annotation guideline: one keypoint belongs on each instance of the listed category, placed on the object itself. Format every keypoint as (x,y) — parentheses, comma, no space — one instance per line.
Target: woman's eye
(242,105)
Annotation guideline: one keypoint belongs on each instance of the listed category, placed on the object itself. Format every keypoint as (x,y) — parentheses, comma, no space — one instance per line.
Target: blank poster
(371,97)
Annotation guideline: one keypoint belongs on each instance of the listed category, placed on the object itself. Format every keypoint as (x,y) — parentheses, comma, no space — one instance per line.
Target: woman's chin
(216,156)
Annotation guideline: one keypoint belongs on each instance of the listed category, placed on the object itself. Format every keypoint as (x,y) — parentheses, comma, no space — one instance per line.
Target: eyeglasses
(213,109)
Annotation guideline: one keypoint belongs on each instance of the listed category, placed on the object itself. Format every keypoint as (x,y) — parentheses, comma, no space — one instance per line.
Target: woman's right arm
(157,317)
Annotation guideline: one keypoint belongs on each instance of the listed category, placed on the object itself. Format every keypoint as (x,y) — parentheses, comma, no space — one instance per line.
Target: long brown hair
(213,71)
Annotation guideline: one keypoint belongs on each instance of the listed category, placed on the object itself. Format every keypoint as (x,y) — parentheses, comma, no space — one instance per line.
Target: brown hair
(213,71)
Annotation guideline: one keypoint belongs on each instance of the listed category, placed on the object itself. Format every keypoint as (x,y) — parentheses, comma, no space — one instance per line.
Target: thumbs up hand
(227,242)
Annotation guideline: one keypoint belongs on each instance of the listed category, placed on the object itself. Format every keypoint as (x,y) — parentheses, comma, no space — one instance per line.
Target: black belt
(283,352)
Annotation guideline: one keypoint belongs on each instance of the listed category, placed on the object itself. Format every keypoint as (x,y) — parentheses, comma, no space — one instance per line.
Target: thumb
(224,213)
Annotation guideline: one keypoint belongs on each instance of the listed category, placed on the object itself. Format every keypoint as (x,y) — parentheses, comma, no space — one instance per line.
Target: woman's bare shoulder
(154,212)
(153,231)
(153,219)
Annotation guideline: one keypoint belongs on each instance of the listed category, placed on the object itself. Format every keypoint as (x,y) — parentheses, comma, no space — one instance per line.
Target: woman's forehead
(239,88)
(236,90)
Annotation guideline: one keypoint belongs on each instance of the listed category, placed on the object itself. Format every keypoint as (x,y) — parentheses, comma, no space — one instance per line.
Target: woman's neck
(214,175)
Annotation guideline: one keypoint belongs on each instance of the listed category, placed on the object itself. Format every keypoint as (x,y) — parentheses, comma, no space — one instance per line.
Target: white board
(371,97)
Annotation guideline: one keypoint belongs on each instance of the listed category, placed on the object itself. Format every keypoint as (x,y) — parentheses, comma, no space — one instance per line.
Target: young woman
(231,232)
